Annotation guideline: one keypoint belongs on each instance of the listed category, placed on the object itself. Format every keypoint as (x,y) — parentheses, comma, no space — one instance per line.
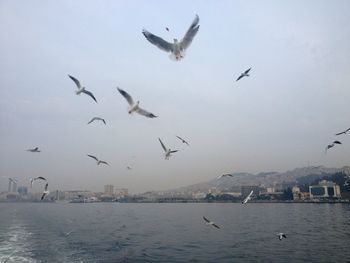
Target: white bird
(82,89)
(177,49)
(224,175)
(32,180)
(97,119)
(68,233)
(46,192)
(247,198)
(281,236)
(167,151)
(34,150)
(332,145)
(210,223)
(134,107)
(183,141)
(97,160)
(244,74)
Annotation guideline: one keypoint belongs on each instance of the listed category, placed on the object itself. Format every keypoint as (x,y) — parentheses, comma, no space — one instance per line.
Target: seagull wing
(340,133)
(174,151)
(214,225)
(337,142)
(284,236)
(75,81)
(93,119)
(347,130)
(43,196)
(40,177)
(191,32)
(104,162)
(145,113)
(126,96)
(157,41)
(46,186)
(104,121)
(93,157)
(90,94)
(164,148)
(241,76)
(206,219)
(247,71)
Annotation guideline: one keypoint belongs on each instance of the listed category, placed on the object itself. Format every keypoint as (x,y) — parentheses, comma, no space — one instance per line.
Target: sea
(173,232)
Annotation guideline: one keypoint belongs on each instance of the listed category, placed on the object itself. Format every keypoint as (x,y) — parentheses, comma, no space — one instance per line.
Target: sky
(281,117)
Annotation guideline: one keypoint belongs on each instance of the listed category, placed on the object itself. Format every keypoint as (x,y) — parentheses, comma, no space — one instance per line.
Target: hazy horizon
(281,117)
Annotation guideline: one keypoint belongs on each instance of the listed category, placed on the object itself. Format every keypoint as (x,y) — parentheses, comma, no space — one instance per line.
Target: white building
(325,189)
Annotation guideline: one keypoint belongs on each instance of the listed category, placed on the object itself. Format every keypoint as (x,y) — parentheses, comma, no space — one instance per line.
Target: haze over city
(281,117)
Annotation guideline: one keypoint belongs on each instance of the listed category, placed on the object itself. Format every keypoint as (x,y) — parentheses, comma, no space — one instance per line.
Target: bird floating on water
(244,74)
(210,223)
(82,89)
(134,107)
(97,160)
(247,198)
(281,236)
(332,145)
(34,150)
(97,119)
(183,141)
(343,132)
(176,49)
(167,151)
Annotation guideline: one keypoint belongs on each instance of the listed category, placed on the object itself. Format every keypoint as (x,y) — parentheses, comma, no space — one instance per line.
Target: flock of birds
(177,51)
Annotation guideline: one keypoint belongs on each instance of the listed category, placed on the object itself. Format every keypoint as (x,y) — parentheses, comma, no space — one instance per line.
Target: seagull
(344,132)
(97,119)
(332,145)
(134,107)
(97,160)
(244,74)
(128,168)
(34,150)
(210,223)
(68,233)
(167,29)
(177,49)
(247,198)
(37,178)
(168,152)
(281,236)
(224,175)
(46,192)
(82,89)
(183,141)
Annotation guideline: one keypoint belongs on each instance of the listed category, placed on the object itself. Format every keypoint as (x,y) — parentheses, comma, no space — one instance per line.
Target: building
(121,192)
(109,189)
(298,195)
(324,189)
(22,190)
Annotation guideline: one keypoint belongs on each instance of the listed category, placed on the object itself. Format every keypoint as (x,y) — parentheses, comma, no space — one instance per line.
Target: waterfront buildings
(325,189)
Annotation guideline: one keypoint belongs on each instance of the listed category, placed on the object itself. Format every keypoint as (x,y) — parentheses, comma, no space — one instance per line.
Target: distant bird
(128,168)
(134,107)
(343,132)
(281,236)
(68,233)
(177,49)
(244,74)
(97,160)
(97,119)
(332,145)
(167,151)
(247,198)
(32,180)
(34,150)
(183,141)
(82,89)
(224,175)
(46,192)
(167,29)
(210,223)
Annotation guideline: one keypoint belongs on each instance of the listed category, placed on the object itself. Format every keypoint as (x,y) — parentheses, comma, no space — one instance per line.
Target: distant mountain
(263,179)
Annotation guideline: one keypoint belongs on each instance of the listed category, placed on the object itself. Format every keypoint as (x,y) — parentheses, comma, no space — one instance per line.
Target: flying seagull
(177,49)
(134,107)
(244,74)
(167,29)
(82,89)
(97,160)
(168,152)
(224,175)
(247,198)
(343,132)
(46,192)
(97,119)
(332,145)
(34,150)
(183,141)
(32,180)
(210,223)
(281,236)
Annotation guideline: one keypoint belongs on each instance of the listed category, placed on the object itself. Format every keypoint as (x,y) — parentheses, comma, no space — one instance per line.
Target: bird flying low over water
(167,151)
(343,132)
(224,175)
(244,74)
(247,198)
(34,150)
(332,145)
(210,223)
(46,192)
(281,236)
(176,49)
(183,141)
(32,180)
(97,119)
(134,107)
(97,160)
(82,89)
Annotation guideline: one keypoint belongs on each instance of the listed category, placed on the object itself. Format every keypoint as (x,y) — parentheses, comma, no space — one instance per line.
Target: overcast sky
(281,117)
